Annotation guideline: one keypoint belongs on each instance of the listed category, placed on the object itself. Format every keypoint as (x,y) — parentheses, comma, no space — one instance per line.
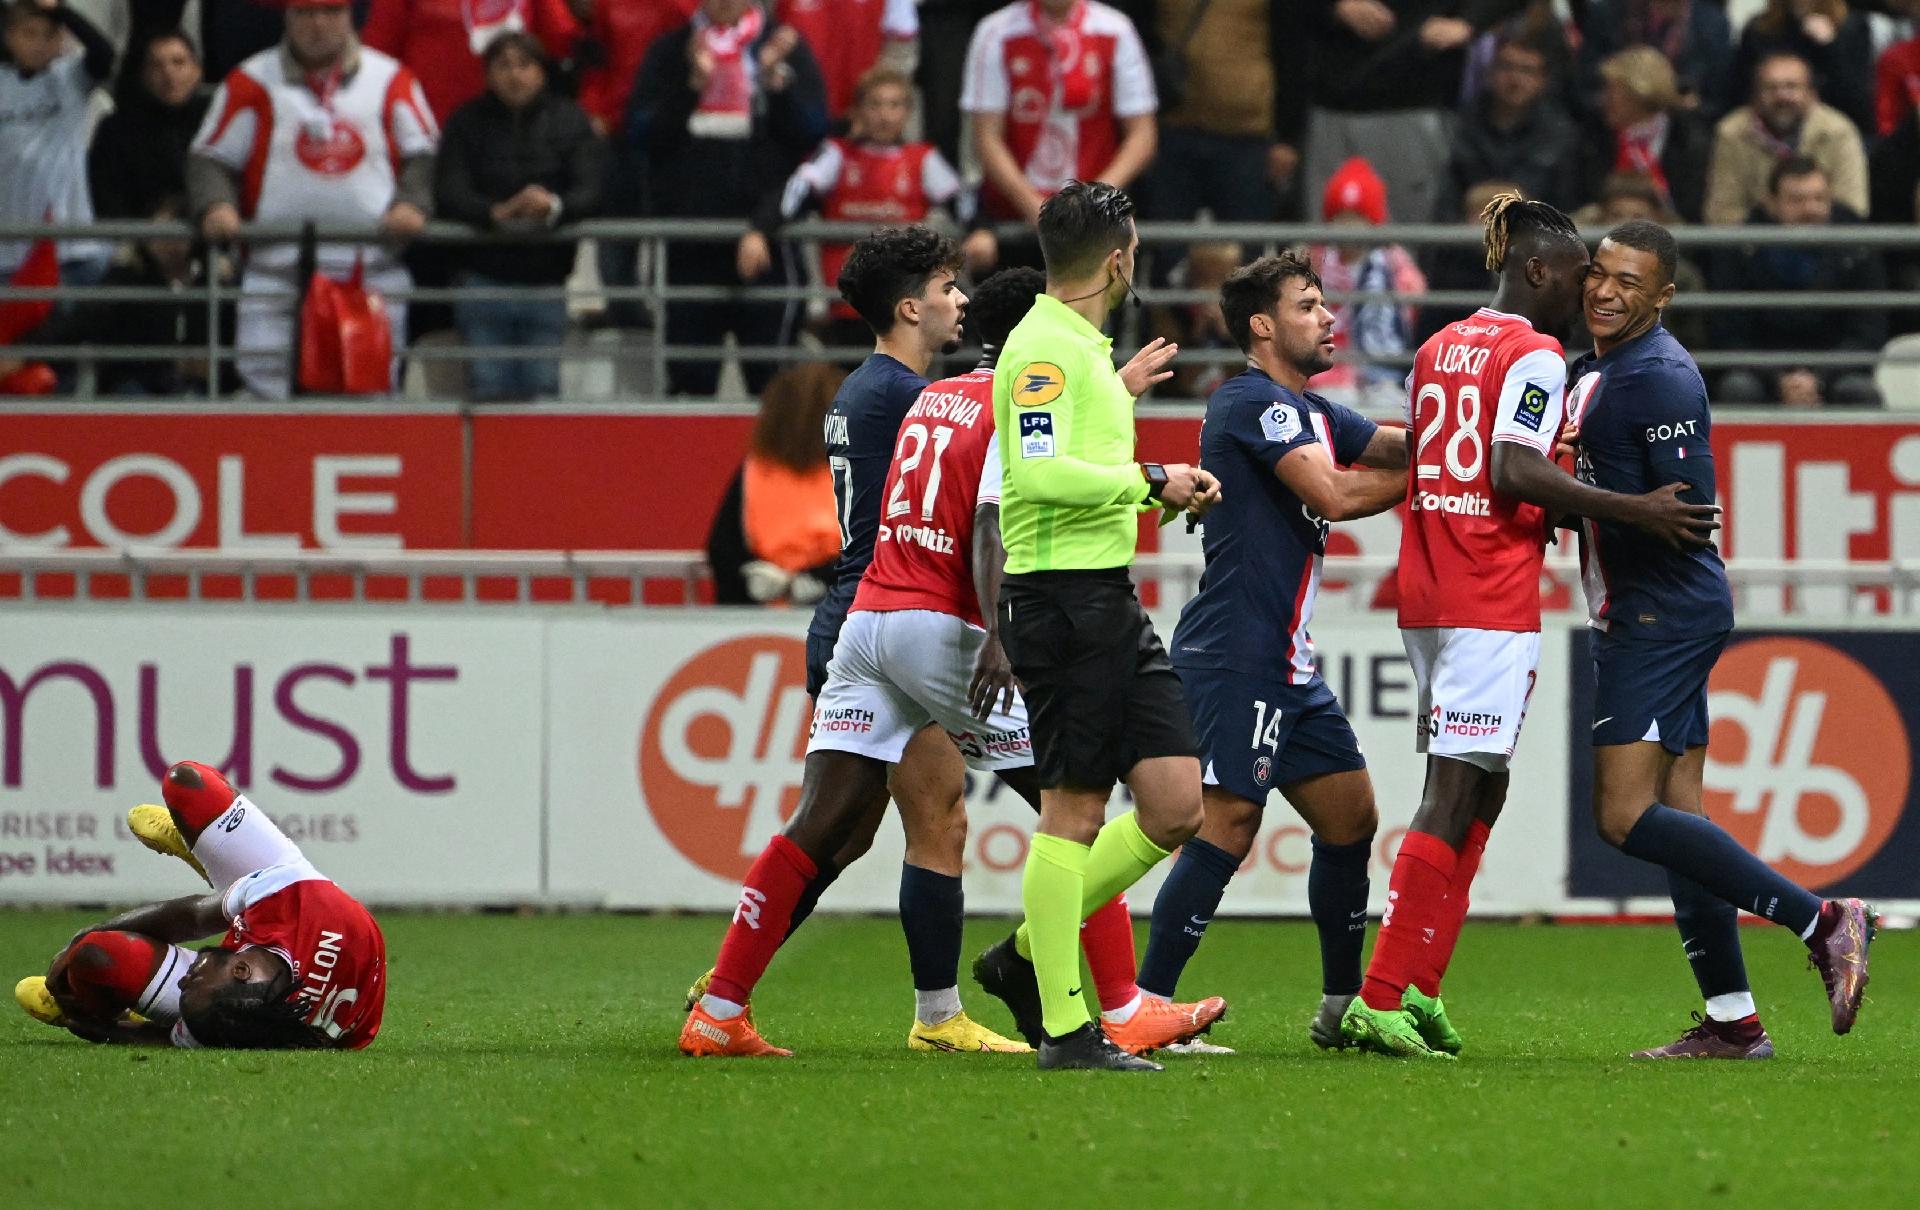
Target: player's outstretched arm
(1335,494)
(188,918)
(1520,470)
(992,685)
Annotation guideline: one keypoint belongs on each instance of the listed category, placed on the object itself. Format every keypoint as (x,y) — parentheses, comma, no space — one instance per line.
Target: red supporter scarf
(1068,57)
(1637,151)
(730,85)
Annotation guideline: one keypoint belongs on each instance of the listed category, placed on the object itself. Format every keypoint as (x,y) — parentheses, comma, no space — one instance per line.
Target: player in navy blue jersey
(1660,617)
(902,282)
(1286,461)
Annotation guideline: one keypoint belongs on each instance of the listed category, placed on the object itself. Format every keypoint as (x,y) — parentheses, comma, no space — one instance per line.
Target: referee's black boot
(1089,1049)
(1002,972)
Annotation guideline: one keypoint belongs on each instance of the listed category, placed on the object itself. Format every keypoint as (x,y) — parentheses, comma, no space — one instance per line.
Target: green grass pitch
(530,1061)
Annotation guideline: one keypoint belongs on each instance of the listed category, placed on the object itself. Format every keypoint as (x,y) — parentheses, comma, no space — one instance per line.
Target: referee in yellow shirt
(1104,702)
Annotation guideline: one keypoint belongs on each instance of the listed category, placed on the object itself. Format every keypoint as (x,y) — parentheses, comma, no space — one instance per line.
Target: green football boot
(1390,1032)
(1430,1018)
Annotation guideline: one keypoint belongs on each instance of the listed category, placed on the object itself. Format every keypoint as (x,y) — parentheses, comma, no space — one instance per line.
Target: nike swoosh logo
(1074,992)
(1359,915)
(1201,922)
(1603,722)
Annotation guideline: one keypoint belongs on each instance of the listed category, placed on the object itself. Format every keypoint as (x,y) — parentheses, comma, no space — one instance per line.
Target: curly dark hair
(1255,289)
(1081,224)
(1001,302)
(892,263)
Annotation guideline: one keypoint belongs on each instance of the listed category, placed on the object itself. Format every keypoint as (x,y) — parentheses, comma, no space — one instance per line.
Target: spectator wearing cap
(1799,195)
(723,110)
(1785,119)
(138,162)
(1059,90)
(444,41)
(1515,131)
(44,120)
(1372,339)
(1694,36)
(1835,41)
(517,158)
(1384,78)
(321,129)
(1645,129)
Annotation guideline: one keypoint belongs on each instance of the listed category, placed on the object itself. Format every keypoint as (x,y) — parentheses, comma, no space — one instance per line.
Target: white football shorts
(895,671)
(1474,686)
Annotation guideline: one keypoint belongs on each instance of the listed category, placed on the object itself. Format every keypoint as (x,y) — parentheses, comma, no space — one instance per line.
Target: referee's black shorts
(1101,694)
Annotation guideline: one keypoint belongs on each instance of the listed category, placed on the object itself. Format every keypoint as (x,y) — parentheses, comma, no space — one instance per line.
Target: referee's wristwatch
(1156,480)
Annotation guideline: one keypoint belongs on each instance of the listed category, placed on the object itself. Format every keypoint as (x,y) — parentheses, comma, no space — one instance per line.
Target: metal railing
(656,241)
(1867,588)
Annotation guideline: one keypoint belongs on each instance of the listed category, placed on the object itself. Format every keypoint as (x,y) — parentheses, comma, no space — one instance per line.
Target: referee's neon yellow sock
(1121,856)
(1051,891)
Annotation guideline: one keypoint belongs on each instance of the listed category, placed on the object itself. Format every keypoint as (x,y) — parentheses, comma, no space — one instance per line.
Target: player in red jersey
(1486,402)
(914,652)
(302,963)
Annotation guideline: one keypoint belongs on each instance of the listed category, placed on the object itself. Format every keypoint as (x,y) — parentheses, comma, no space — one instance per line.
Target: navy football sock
(810,898)
(1337,897)
(1697,847)
(932,914)
(1181,912)
(1710,932)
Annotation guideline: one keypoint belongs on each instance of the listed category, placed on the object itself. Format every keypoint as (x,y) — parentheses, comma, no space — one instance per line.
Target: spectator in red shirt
(1897,76)
(621,31)
(1058,90)
(848,37)
(443,41)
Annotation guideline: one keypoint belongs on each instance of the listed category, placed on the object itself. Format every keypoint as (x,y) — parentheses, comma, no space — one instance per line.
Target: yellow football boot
(31,994)
(153,827)
(961,1034)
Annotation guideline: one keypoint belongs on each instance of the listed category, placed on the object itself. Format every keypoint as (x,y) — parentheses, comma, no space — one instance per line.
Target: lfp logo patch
(1039,384)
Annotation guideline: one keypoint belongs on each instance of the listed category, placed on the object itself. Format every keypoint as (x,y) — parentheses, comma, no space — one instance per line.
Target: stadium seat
(1898,373)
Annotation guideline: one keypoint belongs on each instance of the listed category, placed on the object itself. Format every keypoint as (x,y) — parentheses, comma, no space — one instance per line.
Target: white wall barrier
(627,760)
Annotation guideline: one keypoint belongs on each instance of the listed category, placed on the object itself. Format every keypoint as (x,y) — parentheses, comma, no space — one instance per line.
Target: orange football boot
(707,1036)
(1158,1023)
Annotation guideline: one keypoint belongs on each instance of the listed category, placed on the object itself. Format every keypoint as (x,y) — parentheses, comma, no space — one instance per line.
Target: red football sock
(1107,937)
(197,795)
(1453,912)
(1420,876)
(774,884)
(110,969)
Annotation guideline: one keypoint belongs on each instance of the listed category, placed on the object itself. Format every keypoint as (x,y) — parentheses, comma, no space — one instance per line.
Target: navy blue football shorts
(1260,732)
(1647,689)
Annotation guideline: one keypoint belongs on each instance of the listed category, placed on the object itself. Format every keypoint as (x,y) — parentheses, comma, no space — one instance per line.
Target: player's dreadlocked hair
(254,1016)
(1511,218)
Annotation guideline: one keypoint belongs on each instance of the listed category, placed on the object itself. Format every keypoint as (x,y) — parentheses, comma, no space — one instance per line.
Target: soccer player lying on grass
(302,963)
(913,653)
(1265,717)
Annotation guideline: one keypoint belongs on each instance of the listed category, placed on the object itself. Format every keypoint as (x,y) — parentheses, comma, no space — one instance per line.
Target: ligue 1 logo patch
(1039,384)
(1262,770)
(1533,406)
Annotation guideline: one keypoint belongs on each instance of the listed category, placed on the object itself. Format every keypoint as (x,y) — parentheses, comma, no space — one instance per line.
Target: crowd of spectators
(528,115)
